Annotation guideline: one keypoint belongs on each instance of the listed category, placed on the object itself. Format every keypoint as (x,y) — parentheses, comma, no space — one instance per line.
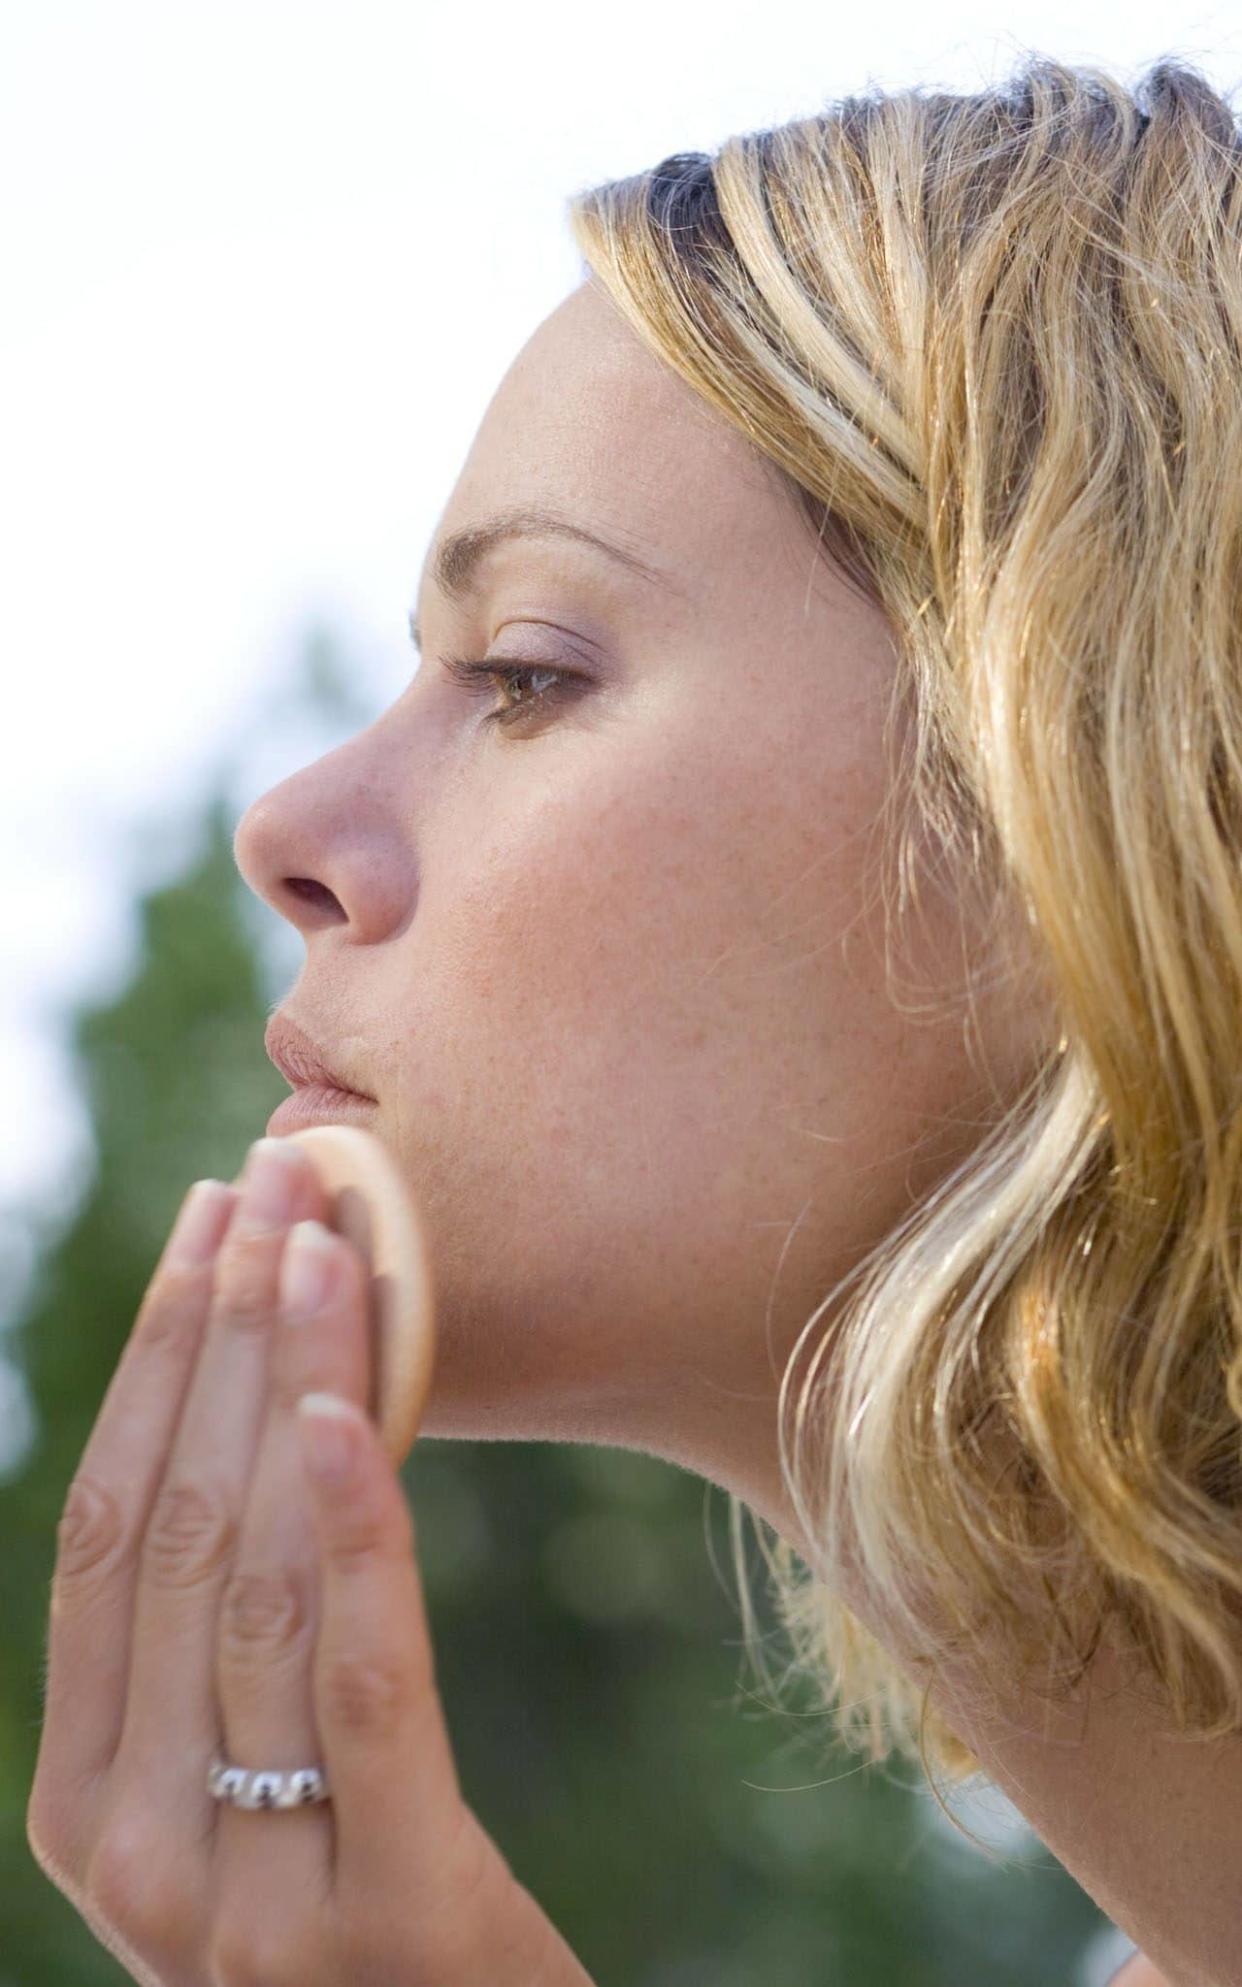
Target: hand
(205,1598)
(1138,1971)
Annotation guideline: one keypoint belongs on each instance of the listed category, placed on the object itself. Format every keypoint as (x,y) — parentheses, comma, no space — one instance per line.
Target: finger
(104,1517)
(271,1609)
(1138,1971)
(397,1806)
(171,1719)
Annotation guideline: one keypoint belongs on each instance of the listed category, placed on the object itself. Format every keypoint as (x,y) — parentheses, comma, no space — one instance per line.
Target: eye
(475,674)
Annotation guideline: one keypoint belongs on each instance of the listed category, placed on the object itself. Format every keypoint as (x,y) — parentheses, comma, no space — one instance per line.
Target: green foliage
(588,1641)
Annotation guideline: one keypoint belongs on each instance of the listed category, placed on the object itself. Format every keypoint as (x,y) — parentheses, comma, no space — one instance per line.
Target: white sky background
(263,267)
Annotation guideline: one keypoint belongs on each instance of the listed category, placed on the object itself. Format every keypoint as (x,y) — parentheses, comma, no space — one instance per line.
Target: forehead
(588,423)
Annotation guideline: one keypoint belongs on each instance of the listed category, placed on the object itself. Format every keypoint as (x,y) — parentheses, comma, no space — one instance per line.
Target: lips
(304,1064)
(313,1104)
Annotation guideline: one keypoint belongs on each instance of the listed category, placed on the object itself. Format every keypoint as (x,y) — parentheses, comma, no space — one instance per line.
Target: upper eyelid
(556,648)
(577,647)
(504,649)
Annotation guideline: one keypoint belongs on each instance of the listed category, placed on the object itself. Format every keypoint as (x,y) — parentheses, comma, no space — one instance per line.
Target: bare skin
(1138,1971)
(615,977)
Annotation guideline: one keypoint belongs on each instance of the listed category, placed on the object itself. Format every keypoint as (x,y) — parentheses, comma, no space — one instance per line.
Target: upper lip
(299,1058)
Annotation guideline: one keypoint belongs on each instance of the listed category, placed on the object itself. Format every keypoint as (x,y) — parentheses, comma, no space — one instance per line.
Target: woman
(789,935)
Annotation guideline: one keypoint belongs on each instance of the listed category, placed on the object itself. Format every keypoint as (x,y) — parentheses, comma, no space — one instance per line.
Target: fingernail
(307,1270)
(200,1224)
(269,1182)
(328,1446)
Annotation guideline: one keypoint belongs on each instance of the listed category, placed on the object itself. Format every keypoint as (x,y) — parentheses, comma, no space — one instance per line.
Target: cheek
(644,1028)
(572,958)
(638,992)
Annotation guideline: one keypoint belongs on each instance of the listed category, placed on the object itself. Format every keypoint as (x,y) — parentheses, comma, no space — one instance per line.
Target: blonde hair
(993,344)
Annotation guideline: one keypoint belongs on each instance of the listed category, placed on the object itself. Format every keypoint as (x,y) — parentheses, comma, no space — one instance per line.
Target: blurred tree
(586,1629)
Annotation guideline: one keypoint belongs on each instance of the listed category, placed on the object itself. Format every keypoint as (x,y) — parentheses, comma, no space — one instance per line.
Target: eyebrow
(455,567)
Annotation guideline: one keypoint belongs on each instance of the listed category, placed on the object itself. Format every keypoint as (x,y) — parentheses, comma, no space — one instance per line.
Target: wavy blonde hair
(993,344)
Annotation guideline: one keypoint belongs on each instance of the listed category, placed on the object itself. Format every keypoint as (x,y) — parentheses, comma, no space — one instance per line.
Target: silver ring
(257,1787)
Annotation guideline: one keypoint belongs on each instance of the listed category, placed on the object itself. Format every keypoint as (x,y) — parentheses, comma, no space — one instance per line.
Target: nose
(274,852)
(331,846)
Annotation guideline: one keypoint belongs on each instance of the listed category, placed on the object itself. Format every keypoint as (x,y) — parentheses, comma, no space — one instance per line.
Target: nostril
(310,892)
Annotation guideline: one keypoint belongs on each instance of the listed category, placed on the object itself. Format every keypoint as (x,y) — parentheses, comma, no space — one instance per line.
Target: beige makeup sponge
(368,1204)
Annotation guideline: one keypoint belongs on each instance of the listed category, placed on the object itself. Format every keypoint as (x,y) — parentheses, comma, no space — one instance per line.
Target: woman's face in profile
(613,969)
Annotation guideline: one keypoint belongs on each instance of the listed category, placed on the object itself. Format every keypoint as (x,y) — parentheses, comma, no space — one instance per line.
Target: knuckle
(364,1697)
(246,1293)
(89,1535)
(476,1870)
(247,1956)
(358,1537)
(190,1536)
(130,1885)
(171,1308)
(45,1836)
(263,1614)
(475,1905)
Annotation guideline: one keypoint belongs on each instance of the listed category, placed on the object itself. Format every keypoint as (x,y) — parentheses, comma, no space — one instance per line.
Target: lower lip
(314,1104)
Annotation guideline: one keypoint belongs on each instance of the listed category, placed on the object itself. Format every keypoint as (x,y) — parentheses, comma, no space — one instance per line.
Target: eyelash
(475,673)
